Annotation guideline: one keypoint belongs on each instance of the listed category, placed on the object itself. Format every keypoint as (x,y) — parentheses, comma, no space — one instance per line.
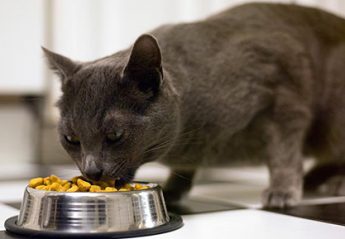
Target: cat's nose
(90,169)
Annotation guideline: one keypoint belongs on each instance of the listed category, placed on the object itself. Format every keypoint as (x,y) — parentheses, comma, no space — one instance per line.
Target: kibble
(35,182)
(110,189)
(95,189)
(73,188)
(80,184)
(83,185)
(54,186)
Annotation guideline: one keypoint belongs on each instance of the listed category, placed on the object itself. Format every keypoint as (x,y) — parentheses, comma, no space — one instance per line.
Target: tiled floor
(226,207)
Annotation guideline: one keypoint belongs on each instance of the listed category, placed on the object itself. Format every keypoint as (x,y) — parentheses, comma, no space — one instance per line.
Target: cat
(256,83)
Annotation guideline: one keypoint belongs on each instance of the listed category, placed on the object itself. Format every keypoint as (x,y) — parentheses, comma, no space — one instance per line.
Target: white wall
(21,34)
(18,134)
(90,29)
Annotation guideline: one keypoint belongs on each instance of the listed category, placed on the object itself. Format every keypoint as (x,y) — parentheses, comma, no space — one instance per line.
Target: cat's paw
(280,198)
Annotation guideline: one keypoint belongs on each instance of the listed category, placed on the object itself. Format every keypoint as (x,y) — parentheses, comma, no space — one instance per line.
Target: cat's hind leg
(327,178)
(328,136)
(286,127)
(285,159)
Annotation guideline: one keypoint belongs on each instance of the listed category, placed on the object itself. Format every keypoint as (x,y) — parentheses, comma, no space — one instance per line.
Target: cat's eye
(114,137)
(72,139)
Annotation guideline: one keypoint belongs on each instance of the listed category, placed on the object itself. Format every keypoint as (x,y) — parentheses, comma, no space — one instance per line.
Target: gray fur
(259,82)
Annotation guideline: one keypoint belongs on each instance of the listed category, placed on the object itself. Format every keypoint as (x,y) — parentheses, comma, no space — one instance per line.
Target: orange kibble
(63,182)
(33,183)
(74,188)
(54,187)
(66,186)
(83,185)
(138,186)
(55,179)
(41,187)
(95,188)
(110,189)
(47,181)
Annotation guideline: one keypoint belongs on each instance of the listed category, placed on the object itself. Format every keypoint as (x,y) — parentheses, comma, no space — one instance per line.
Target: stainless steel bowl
(85,212)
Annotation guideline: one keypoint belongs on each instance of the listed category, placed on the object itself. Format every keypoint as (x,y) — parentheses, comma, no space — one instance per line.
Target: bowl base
(174,223)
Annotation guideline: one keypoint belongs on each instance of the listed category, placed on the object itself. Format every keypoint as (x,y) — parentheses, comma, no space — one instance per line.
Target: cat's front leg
(285,188)
(286,134)
(178,184)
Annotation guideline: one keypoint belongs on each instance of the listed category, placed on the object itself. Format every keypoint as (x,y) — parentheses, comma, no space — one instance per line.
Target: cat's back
(272,15)
(195,50)
(300,22)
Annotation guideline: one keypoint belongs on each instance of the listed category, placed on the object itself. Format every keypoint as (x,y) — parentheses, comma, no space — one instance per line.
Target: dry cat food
(80,184)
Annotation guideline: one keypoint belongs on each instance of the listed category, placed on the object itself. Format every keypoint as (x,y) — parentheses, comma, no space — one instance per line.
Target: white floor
(253,224)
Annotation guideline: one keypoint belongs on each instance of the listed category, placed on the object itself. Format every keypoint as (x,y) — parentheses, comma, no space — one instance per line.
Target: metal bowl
(85,212)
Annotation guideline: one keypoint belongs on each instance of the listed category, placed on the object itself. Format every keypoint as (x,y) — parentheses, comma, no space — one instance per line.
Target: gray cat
(259,82)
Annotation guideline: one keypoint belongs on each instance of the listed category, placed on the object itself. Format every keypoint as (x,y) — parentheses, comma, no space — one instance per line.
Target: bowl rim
(154,187)
(175,222)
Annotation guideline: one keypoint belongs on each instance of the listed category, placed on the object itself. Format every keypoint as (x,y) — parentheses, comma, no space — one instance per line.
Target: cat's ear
(145,54)
(145,64)
(61,65)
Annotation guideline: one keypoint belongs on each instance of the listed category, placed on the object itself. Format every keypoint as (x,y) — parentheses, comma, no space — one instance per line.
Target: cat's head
(115,112)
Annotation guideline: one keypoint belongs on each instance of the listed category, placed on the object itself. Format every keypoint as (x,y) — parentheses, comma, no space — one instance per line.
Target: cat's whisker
(169,140)
(179,175)
(156,148)
(166,144)
(116,167)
